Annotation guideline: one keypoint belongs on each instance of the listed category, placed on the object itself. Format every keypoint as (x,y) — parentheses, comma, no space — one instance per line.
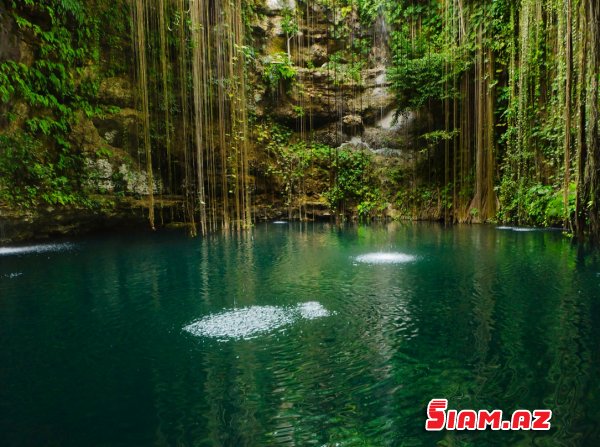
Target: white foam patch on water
(312,310)
(519,229)
(249,322)
(6,251)
(385,258)
(240,323)
(279,222)
(12,275)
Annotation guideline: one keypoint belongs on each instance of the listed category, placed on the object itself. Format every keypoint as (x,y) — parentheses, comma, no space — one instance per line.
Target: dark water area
(297,334)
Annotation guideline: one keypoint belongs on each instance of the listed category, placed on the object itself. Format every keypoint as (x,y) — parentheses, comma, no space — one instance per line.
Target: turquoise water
(297,335)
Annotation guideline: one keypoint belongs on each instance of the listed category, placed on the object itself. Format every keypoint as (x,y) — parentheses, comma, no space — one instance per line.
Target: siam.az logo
(440,418)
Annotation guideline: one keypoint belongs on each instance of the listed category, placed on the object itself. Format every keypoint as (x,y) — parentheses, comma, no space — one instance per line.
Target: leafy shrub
(293,162)
(536,204)
(29,174)
(278,68)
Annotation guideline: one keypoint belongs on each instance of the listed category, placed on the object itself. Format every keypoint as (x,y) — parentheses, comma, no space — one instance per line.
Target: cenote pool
(297,334)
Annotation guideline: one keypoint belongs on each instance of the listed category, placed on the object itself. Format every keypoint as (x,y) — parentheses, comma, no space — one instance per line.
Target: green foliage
(42,167)
(444,52)
(439,135)
(369,10)
(298,111)
(355,184)
(289,24)
(31,175)
(411,200)
(288,161)
(536,204)
(345,73)
(372,204)
(278,68)
(252,12)
(418,81)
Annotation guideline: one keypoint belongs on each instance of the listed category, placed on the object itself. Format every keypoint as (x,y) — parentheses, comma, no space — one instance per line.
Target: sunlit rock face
(385,258)
(7,251)
(278,5)
(253,321)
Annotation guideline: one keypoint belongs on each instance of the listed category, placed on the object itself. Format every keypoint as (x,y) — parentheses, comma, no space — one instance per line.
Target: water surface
(297,335)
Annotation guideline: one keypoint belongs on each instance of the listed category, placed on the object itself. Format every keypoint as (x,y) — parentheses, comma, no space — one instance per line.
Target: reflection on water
(525,229)
(45,248)
(321,349)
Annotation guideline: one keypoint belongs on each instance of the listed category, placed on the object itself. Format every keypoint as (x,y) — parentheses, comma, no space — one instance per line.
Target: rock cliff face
(340,95)
(106,143)
(337,94)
